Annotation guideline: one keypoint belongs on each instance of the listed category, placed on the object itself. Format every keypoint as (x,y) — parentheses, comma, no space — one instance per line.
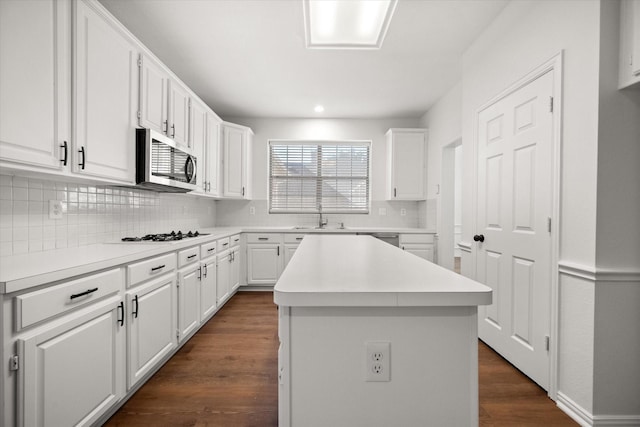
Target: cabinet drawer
(293,238)
(223,244)
(208,249)
(144,270)
(187,256)
(264,238)
(234,240)
(37,306)
(416,238)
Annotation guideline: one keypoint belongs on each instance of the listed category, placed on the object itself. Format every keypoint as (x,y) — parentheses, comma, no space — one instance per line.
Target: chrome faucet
(321,223)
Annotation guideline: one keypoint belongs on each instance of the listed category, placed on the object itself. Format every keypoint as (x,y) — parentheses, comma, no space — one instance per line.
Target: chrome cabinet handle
(173,131)
(166,127)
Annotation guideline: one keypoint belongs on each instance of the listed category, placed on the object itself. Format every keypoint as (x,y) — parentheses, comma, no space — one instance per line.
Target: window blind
(319,177)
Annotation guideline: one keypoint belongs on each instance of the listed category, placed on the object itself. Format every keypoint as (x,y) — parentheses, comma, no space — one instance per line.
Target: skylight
(347,24)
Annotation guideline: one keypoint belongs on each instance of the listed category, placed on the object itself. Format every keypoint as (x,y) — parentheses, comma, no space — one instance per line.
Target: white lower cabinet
(151,326)
(208,287)
(188,300)
(72,372)
(421,245)
(234,269)
(265,254)
(223,271)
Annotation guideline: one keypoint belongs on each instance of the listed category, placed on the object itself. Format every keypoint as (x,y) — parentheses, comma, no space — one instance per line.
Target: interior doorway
(451,206)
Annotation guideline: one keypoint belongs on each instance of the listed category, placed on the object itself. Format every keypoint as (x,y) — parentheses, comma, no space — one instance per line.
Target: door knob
(478,238)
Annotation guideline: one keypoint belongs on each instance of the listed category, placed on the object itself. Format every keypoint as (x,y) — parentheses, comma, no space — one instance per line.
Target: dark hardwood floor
(226,376)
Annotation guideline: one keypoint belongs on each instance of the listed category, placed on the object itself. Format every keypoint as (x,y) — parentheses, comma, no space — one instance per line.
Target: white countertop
(19,272)
(361,271)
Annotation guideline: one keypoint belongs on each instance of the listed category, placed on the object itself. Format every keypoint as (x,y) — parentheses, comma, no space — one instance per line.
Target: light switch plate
(56,209)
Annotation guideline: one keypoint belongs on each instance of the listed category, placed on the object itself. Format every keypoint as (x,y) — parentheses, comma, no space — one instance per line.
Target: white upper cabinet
(105,95)
(154,96)
(237,160)
(212,156)
(406,164)
(35,83)
(179,113)
(198,139)
(629,69)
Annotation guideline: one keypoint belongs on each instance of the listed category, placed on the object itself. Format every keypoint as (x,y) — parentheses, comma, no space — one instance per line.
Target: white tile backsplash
(94,214)
(237,212)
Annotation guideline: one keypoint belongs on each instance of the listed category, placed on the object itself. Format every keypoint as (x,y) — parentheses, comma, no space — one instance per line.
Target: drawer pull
(211,249)
(236,240)
(81,294)
(192,256)
(121,312)
(135,310)
(158,267)
(263,238)
(299,238)
(225,244)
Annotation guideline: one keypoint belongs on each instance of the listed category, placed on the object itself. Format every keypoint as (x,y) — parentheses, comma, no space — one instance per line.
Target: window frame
(318,178)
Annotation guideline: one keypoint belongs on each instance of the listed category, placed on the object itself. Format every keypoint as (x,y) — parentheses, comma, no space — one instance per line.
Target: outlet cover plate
(378,361)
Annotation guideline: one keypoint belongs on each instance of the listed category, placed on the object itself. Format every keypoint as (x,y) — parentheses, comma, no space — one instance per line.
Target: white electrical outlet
(252,210)
(403,212)
(378,361)
(382,211)
(56,209)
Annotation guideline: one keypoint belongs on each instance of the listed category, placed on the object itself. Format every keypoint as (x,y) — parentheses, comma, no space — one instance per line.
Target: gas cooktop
(164,237)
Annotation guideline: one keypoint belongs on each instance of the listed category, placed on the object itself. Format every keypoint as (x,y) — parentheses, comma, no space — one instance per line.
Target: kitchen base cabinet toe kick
(395,340)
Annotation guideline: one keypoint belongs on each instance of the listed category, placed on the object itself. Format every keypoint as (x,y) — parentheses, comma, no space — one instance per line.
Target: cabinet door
(198,134)
(35,79)
(234,270)
(233,151)
(154,86)
(178,113)
(264,263)
(208,291)
(73,372)
(212,160)
(188,300)
(289,250)
(222,277)
(407,168)
(151,324)
(106,93)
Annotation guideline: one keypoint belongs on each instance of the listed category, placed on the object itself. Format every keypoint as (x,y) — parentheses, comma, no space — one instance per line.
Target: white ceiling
(248,57)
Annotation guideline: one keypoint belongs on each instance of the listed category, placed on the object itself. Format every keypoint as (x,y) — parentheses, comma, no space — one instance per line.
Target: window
(319,176)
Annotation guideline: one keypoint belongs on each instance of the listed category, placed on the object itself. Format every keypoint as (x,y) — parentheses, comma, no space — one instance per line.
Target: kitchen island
(372,335)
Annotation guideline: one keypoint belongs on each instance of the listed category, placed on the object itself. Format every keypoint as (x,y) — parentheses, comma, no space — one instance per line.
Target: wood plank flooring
(226,375)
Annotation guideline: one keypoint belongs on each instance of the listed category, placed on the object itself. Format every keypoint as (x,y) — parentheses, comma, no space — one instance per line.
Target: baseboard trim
(575,411)
(586,419)
(596,274)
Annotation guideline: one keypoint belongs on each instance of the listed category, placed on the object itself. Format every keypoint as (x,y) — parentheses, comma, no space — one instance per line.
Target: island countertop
(361,271)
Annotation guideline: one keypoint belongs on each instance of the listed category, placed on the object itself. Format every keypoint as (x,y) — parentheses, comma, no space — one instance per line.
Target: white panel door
(223,271)
(198,135)
(234,270)
(514,206)
(212,153)
(35,82)
(408,167)
(73,372)
(289,250)
(106,96)
(151,323)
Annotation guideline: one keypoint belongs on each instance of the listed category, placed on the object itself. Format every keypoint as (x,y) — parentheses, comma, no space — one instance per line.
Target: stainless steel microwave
(161,165)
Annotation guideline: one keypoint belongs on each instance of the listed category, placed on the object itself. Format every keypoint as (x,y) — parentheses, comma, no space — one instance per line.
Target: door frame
(553,64)
(446,224)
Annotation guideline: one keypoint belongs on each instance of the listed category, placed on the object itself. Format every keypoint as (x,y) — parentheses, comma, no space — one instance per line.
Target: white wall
(599,260)
(231,213)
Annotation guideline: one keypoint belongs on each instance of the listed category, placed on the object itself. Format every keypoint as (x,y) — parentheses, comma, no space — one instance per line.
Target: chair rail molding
(598,274)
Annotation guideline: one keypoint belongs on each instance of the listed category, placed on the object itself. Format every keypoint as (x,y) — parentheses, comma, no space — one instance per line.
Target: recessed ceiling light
(353,24)
(318,109)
